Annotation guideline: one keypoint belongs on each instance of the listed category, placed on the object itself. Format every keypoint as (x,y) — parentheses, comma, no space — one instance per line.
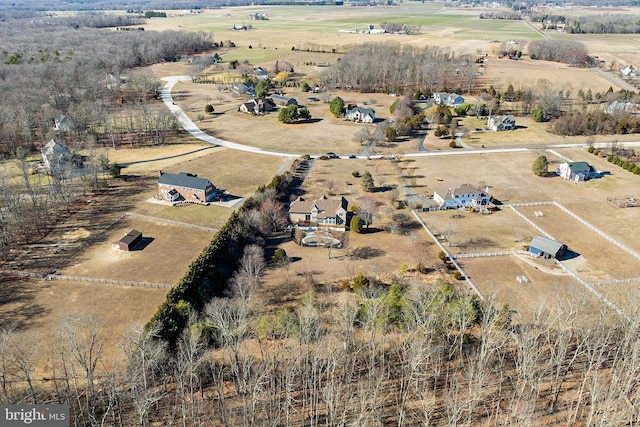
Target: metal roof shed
(547,248)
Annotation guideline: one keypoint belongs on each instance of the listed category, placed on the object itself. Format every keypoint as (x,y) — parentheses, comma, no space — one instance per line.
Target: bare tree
(367,208)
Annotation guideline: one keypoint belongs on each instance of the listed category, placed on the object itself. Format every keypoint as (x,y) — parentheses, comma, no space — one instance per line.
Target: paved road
(616,81)
(191,127)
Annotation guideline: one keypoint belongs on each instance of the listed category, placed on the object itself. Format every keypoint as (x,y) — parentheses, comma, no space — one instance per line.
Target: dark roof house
(186,186)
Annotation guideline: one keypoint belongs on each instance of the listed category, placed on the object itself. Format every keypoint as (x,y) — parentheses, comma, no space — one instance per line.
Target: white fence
(617,282)
(592,290)
(527,204)
(600,232)
(86,279)
(489,254)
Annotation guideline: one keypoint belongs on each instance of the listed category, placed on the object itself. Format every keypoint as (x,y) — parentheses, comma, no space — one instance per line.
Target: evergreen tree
(540,166)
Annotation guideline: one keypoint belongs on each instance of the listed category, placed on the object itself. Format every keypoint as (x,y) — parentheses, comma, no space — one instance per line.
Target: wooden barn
(129,241)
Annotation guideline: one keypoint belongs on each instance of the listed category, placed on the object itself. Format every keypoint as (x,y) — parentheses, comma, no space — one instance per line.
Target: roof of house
(184,179)
(53,147)
(579,166)
(281,98)
(546,245)
(363,111)
(324,204)
(465,189)
(498,119)
(130,237)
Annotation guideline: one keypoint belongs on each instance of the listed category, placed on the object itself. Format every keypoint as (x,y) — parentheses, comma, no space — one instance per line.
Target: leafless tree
(367,208)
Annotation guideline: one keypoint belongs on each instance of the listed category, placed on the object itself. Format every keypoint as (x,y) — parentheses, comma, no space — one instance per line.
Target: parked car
(313,99)
(332,155)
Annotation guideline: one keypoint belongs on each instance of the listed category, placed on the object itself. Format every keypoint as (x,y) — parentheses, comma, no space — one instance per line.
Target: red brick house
(185,186)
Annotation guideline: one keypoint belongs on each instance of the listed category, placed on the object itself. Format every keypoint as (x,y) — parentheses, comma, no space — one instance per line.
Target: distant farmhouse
(448,99)
(464,196)
(185,187)
(56,157)
(239,88)
(257,106)
(321,212)
(360,115)
(260,73)
(130,240)
(627,71)
(619,107)
(500,123)
(283,101)
(547,248)
(576,171)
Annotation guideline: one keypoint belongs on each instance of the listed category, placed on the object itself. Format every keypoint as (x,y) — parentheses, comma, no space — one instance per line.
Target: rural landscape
(336,213)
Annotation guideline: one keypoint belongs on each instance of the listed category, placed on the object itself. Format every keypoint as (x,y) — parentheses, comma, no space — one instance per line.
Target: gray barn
(547,248)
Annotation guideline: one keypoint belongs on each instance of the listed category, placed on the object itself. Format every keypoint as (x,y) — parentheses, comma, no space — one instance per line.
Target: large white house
(499,123)
(449,99)
(575,171)
(56,157)
(319,212)
(360,115)
(464,196)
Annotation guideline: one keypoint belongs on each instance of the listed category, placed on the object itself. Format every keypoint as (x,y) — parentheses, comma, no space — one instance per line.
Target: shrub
(453,144)
(442,256)
(356,224)
(591,149)
(457,275)
(279,255)
(208,109)
(355,174)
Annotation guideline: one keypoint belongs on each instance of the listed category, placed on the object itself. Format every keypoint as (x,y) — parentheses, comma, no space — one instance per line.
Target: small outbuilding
(547,248)
(130,240)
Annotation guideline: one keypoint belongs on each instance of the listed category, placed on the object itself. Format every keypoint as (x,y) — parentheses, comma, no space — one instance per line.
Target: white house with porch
(464,196)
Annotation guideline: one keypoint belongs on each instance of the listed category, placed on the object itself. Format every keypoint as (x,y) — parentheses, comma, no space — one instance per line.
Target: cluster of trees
(390,67)
(565,51)
(79,75)
(604,24)
(397,27)
(293,113)
(594,123)
(31,201)
(217,267)
(382,353)
(501,15)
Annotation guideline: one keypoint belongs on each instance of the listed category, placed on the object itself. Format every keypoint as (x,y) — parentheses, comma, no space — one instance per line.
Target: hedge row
(208,275)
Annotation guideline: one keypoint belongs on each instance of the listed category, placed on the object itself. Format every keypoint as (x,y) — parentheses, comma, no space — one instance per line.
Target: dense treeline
(390,67)
(96,20)
(372,354)
(47,72)
(604,24)
(566,51)
(209,275)
(595,123)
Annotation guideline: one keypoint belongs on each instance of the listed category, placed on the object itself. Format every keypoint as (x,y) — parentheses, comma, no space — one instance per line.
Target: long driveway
(191,127)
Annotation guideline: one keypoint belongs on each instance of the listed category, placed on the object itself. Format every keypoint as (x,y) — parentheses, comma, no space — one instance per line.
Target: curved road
(191,127)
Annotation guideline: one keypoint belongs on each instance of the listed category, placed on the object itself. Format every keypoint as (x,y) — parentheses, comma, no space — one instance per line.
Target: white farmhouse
(575,171)
(464,196)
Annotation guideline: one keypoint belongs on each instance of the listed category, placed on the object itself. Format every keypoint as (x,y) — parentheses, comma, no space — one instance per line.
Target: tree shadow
(365,252)
(20,294)
(370,230)
(310,121)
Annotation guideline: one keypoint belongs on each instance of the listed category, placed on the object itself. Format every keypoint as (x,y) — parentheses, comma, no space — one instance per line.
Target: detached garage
(129,241)
(547,248)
